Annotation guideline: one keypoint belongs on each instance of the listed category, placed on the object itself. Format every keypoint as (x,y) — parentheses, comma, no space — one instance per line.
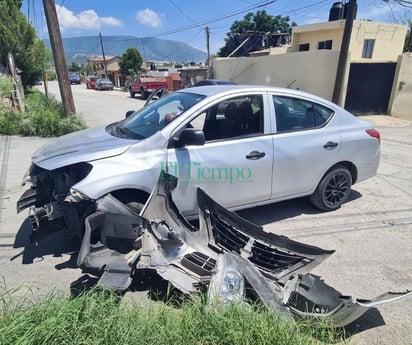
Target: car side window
(232,118)
(293,114)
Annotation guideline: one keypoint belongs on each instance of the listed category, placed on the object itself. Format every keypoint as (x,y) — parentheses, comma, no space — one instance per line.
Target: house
(98,67)
(370,41)
(373,53)
(310,64)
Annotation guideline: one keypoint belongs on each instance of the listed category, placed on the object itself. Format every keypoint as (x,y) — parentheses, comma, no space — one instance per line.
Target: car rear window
(294,114)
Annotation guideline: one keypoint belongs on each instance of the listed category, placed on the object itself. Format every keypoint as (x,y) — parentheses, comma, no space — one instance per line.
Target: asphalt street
(371,233)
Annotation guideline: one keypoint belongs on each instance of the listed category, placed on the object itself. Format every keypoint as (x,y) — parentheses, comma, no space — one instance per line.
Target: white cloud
(149,17)
(84,20)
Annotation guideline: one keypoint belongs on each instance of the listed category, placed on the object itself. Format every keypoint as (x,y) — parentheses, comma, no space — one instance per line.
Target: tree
(18,37)
(131,62)
(260,21)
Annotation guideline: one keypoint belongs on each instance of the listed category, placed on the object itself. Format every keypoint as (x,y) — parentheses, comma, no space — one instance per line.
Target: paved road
(98,107)
(372,233)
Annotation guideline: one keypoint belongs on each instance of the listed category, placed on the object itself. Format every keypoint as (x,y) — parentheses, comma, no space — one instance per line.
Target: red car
(91,82)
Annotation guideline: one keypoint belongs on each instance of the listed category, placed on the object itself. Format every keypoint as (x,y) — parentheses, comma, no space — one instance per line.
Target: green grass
(99,318)
(43,118)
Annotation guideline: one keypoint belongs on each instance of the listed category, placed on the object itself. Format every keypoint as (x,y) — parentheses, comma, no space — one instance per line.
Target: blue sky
(184,20)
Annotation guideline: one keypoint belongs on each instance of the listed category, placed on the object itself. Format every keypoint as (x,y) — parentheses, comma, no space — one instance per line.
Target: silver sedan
(103,84)
(244,145)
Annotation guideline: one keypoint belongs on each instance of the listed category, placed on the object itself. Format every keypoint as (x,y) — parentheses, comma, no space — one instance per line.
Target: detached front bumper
(233,259)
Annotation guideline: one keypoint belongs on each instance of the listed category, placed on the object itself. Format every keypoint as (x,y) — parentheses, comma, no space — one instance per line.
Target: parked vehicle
(146,85)
(214,82)
(103,84)
(244,145)
(91,82)
(74,78)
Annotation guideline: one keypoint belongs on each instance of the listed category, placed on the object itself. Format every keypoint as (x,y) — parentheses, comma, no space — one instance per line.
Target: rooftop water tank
(337,11)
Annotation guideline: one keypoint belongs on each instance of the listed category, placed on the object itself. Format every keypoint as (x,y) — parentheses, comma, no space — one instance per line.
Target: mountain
(79,49)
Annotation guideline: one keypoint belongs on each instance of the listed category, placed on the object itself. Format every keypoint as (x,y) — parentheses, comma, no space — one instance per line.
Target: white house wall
(389,40)
(400,104)
(312,71)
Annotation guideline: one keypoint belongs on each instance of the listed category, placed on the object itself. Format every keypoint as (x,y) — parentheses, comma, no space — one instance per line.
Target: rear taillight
(375,134)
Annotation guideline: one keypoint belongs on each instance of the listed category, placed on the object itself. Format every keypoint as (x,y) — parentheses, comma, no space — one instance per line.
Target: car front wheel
(333,190)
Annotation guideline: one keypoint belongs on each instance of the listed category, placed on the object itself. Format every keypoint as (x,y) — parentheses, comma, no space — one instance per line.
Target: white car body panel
(223,170)
(81,146)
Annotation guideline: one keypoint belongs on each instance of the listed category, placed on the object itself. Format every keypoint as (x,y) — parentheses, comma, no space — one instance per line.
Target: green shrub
(5,86)
(43,117)
(10,122)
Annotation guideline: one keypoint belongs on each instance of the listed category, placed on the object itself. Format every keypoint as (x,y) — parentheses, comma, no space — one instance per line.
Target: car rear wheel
(131,93)
(333,190)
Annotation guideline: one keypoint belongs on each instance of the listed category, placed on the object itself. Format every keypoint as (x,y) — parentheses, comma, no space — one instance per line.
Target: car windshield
(154,116)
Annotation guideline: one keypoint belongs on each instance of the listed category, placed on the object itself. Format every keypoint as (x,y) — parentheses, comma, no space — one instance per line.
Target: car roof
(210,90)
(215,81)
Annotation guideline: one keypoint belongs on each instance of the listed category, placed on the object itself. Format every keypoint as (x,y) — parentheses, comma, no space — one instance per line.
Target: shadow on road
(54,243)
(278,211)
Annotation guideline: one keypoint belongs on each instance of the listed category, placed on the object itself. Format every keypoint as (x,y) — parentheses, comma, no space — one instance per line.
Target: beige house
(310,64)
(370,41)
(98,68)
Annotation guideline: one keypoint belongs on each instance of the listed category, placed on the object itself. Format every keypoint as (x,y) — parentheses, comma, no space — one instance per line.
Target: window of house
(293,114)
(234,117)
(304,47)
(325,44)
(368,48)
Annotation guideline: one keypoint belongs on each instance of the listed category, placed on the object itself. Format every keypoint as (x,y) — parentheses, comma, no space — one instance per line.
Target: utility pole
(104,57)
(208,51)
(58,55)
(343,55)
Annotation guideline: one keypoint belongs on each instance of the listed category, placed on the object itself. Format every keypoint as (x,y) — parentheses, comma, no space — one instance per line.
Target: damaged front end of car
(227,256)
(52,201)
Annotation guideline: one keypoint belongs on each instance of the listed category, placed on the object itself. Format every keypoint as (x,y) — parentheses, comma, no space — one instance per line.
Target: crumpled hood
(81,146)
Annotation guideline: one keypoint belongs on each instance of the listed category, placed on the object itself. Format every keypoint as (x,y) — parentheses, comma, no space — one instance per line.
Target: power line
(213,20)
(182,12)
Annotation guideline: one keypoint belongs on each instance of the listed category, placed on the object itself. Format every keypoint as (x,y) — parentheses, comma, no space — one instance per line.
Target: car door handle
(255,155)
(330,145)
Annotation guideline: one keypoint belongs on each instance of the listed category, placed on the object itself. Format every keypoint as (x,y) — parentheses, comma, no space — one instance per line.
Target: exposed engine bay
(50,198)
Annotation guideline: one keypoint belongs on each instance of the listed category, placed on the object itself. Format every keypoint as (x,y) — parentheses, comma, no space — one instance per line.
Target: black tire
(143,94)
(333,190)
(131,93)
(135,200)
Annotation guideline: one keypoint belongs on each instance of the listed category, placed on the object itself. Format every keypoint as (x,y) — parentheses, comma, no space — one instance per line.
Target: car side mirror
(189,136)
(128,113)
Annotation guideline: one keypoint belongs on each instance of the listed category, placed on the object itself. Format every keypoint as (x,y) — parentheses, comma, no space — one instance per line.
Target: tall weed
(43,118)
(102,318)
